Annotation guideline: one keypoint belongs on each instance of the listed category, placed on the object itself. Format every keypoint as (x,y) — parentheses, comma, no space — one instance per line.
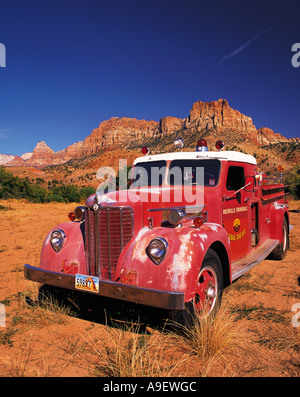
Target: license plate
(87,283)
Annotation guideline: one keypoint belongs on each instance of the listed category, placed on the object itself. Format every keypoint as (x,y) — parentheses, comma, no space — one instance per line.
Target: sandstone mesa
(216,116)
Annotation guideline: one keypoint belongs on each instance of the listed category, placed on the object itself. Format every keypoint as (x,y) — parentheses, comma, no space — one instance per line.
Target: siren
(175,216)
(145,150)
(201,146)
(178,143)
(220,145)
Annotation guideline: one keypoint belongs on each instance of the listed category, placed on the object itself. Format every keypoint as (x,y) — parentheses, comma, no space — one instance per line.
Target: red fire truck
(188,226)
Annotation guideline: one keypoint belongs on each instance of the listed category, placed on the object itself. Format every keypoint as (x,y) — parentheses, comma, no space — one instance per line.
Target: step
(257,255)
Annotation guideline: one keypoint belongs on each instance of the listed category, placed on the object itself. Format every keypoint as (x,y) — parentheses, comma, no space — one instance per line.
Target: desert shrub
(86,191)
(293,180)
(13,187)
(69,193)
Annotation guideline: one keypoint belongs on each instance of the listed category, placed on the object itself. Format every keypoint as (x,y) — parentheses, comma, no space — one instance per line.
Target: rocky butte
(216,116)
(118,131)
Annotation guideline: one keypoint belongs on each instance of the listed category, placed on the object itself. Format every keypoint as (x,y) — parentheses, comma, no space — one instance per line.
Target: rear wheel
(208,291)
(280,251)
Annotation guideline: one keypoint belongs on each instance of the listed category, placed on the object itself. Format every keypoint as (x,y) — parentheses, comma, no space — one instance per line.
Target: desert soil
(49,341)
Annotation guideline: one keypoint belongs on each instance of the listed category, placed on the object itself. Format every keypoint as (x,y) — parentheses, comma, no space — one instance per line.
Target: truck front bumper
(111,289)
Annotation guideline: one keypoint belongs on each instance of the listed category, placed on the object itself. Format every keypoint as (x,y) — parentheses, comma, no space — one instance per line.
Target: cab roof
(223,156)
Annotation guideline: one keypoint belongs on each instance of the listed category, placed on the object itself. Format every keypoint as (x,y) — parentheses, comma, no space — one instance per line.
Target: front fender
(179,270)
(71,258)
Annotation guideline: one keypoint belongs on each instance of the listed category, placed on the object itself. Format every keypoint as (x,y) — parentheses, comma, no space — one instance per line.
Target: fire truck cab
(187,227)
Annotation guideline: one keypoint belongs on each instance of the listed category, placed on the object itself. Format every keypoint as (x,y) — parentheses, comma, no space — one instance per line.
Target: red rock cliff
(216,116)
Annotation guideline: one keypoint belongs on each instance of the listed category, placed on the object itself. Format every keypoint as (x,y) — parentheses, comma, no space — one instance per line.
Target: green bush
(293,180)
(14,187)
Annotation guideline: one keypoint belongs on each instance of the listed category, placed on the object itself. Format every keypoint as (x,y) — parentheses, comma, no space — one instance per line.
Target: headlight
(57,239)
(79,213)
(157,249)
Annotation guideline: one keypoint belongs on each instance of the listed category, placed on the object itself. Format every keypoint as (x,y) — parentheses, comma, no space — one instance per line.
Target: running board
(242,266)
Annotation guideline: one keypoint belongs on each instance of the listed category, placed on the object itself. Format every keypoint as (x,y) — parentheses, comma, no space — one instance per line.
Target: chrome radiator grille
(107,231)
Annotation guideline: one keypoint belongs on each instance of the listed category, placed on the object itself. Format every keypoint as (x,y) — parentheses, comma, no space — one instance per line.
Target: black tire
(280,251)
(210,289)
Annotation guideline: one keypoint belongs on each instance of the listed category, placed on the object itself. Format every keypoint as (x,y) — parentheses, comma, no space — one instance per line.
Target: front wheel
(208,291)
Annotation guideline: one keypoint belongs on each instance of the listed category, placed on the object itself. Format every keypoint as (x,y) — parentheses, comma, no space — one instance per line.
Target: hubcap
(206,291)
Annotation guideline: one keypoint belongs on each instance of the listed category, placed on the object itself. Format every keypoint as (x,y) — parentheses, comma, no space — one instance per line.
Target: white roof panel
(223,156)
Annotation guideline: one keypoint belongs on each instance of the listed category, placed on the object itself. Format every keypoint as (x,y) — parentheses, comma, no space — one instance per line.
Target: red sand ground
(44,342)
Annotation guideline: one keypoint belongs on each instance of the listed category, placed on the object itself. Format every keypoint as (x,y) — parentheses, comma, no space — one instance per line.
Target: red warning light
(145,150)
(198,221)
(201,145)
(220,145)
(202,142)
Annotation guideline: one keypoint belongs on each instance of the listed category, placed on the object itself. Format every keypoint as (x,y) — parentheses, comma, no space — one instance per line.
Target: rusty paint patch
(182,262)
(72,268)
(129,278)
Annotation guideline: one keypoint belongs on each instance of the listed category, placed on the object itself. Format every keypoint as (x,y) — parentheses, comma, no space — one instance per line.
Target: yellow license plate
(87,283)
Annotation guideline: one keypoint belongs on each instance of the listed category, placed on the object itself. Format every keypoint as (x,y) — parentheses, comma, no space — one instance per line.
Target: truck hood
(153,203)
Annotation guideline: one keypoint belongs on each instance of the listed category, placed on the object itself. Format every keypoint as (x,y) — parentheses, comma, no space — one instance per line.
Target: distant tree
(293,180)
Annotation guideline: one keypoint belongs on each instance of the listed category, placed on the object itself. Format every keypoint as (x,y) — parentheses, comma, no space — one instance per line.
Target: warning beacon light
(145,150)
(178,143)
(220,145)
(201,146)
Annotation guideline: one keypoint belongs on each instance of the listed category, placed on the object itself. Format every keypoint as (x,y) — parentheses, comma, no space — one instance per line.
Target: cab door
(236,210)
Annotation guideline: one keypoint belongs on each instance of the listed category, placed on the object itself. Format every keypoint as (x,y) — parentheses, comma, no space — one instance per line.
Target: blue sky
(71,64)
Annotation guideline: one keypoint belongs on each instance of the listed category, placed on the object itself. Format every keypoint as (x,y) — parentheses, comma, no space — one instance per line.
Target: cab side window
(235,178)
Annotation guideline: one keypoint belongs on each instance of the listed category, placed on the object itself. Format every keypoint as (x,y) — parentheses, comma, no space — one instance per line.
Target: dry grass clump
(127,353)
(215,340)
(49,312)
(44,310)
(213,343)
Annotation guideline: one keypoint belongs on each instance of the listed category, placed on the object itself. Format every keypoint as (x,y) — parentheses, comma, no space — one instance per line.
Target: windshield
(194,172)
(203,172)
(148,174)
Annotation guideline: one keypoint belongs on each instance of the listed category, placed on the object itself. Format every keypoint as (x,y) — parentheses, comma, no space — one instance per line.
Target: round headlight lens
(57,239)
(157,249)
(79,213)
